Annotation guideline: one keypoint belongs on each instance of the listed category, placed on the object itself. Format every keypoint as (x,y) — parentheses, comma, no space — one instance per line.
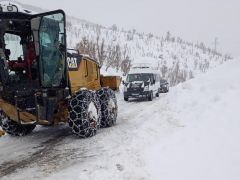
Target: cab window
(13,44)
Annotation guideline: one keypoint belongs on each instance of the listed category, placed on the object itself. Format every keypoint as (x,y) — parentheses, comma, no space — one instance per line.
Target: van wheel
(157,94)
(167,90)
(13,128)
(125,98)
(150,96)
(84,113)
(109,108)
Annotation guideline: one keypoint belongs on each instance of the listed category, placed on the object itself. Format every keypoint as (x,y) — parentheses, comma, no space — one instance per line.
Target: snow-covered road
(190,133)
(54,149)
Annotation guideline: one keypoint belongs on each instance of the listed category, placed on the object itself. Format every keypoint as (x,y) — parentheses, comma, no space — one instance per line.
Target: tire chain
(78,114)
(108,118)
(13,128)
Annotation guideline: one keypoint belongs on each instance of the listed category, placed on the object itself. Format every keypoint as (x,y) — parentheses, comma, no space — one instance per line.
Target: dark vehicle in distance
(164,86)
(142,83)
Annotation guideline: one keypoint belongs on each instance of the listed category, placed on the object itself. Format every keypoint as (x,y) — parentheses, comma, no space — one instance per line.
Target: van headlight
(125,89)
(146,88)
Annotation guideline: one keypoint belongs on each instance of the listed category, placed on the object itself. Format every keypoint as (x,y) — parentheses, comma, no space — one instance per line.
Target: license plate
(134,94)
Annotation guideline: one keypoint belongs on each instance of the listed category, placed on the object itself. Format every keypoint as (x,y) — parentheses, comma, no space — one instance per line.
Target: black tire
(13,128)
(157,94)
(150,96)
(109,108)
(167,90)
(125,98)
(84,113)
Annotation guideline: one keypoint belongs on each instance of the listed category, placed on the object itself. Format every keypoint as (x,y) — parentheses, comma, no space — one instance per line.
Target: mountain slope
(176,59)
(117,48)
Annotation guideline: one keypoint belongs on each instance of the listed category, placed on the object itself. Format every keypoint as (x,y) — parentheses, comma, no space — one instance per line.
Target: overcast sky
(194,20)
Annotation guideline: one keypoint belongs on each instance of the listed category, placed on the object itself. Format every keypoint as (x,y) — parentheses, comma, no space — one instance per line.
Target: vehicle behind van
(142,83)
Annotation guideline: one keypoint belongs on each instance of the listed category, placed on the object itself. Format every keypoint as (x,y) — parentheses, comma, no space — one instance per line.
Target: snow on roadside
(207,147)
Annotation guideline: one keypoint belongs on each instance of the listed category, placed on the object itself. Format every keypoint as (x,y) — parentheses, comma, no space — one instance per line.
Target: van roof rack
(141,66)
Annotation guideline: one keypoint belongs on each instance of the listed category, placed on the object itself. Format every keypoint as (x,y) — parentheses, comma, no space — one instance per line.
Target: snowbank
(206,147)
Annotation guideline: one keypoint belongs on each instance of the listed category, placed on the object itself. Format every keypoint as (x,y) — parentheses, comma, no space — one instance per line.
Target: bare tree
(101,52)
(126,65)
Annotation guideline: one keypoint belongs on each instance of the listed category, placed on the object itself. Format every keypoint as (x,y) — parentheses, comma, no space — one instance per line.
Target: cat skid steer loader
(48,84)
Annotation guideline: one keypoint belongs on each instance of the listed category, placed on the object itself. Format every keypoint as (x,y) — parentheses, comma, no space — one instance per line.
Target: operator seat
(21,64)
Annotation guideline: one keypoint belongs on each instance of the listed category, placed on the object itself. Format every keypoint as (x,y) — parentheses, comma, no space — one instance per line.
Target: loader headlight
(146,88)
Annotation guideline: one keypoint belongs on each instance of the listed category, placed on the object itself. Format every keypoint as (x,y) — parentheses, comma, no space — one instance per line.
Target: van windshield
(139,77)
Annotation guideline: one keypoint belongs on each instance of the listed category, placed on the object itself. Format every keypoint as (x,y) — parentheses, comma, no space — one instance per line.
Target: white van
(142,82)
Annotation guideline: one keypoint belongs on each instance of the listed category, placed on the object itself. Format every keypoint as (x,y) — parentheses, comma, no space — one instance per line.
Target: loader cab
(32,59)
(33,44)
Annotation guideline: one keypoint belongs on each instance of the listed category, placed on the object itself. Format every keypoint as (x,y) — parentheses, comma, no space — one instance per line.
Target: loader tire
(13,128)
(109,108)
(84,113)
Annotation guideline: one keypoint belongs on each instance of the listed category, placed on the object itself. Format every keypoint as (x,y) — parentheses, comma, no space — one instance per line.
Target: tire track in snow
(44,154)
(52,154)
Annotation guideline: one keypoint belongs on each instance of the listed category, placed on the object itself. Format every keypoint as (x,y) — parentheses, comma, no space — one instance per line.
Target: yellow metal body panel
(11,111)
(87,76)
(112,82)
(25,117)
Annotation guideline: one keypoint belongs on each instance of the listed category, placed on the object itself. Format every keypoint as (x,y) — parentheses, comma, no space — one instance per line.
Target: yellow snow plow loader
(43,83)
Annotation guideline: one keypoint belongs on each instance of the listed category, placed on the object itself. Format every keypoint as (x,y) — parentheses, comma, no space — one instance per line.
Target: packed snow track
(51,149)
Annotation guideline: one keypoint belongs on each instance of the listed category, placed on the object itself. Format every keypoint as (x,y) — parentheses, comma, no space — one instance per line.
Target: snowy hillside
(190,133)
(117,49)
(176,59)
